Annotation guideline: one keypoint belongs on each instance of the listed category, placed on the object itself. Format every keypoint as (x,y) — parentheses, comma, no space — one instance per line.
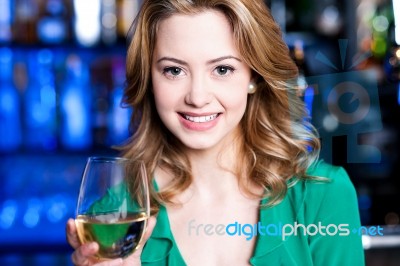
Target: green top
(307,202)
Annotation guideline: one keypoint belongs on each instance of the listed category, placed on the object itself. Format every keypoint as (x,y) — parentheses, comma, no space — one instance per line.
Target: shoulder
(322,169)
(335,195)
(335,179)
(333,206)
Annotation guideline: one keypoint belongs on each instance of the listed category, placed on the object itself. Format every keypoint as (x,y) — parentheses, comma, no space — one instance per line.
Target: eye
(224,70)
(172,71)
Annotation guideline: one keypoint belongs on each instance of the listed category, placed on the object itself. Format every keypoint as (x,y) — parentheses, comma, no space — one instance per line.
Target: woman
(235,179)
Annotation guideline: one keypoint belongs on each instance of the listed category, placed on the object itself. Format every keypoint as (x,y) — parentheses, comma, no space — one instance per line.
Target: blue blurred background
(62,72)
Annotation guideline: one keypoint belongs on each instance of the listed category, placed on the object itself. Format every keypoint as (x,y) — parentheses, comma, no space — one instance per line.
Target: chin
(201,144)
(198,146)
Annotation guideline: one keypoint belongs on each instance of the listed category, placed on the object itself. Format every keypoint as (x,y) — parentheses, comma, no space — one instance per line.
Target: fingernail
(92,246)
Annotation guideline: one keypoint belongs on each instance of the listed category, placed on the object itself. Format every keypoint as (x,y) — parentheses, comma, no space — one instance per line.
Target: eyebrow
(212,61)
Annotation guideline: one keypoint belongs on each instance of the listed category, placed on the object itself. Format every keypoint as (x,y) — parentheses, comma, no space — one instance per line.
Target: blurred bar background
(62,72)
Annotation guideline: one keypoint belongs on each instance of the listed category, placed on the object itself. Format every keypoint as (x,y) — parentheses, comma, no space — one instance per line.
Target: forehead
(204,33)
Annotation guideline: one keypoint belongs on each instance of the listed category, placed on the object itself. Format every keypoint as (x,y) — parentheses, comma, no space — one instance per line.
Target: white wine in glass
(113,205)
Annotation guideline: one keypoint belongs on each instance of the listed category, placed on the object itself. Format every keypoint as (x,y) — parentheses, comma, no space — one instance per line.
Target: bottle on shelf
(298,55)
(10,120)
(87,24)
(126,13)
(6,17)
(108,22)
(119,116)
(40,102)
(75,104)
(53,25)
(24,26)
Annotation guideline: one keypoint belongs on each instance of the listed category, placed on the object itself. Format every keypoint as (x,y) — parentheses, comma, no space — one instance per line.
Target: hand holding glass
(113,205)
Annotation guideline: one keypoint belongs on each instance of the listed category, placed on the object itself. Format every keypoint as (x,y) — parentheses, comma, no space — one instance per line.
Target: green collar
(268,247)
(159,245)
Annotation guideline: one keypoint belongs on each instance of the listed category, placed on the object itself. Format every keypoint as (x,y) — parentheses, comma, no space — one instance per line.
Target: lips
(199,122)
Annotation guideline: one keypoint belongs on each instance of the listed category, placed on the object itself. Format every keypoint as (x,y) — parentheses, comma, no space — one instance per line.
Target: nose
(198,94)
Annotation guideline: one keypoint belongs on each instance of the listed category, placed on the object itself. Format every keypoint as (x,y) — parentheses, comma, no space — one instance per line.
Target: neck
(216,169)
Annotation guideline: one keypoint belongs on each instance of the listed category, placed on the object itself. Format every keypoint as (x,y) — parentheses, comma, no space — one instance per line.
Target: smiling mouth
(200,119)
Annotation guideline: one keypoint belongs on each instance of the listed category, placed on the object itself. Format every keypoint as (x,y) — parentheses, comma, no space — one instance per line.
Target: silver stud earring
(252,88)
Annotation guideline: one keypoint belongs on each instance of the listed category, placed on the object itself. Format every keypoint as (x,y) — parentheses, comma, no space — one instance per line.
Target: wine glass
(113,205)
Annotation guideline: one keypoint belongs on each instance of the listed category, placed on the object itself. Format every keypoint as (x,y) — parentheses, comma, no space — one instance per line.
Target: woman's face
(199,79)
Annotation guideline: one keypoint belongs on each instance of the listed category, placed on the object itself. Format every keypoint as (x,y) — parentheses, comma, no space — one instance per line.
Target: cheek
(235,99)
(163,105)
(160,92)
(167,98)
(162,101)
(236,92)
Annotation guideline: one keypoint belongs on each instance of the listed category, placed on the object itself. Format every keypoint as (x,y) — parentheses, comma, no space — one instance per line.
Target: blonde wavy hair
(278,143)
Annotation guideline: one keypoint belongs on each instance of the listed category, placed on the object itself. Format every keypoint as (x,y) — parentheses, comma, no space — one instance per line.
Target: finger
(82,255)
(151,223)
(135,257)
(72,235)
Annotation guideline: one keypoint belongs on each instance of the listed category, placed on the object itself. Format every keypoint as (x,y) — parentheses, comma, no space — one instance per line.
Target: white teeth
(201,119)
